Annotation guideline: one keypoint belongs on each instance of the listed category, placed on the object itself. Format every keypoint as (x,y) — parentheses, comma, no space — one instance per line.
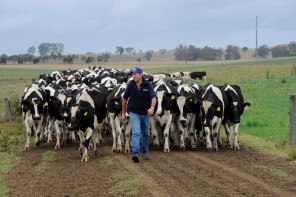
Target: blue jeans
(140,126)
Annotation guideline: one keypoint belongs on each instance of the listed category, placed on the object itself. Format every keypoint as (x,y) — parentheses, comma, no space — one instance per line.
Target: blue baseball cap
(137,70)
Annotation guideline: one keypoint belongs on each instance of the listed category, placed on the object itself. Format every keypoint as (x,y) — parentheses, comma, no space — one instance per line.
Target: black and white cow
(114,107)
(213,111)
(34,107)
(87,115)
(186,115)
(198,75)
(162,118)
(233,113)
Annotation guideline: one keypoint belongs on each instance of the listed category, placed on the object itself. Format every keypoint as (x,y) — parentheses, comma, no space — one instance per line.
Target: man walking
(141,103)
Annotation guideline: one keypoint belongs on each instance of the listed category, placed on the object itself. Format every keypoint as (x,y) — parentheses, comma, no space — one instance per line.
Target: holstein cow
(162,118)
(187,106)
(198,75)
(34,106)
(213,109)
(233,112)
(87,115)
(114,111)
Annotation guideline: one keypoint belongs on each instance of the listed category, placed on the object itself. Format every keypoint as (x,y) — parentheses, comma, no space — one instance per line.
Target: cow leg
(208,138)
(113,127)
(228,135)
(49,129)
(58,134)
(38,131)
(81,138)
(166,134)
(94,138)
(216,133)
(73,137)
(86,144)
(154,133)
(192,133)
(235,135)
(29,130)
(175,135)
(118,134)
(127,137)
(181,134)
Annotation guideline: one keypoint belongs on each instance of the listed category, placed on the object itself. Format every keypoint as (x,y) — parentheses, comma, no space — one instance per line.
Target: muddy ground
(227,172)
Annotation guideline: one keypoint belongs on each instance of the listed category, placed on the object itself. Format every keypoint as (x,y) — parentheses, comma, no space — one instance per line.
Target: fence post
(8,110)
(292,120)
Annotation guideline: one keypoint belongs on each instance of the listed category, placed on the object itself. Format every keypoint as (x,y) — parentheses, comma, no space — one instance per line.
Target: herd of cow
(87,102)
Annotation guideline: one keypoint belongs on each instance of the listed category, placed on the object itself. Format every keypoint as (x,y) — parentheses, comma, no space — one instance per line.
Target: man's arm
(123,110)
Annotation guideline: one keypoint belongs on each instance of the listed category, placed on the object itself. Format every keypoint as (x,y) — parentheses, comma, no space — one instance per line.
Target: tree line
(192,53)
(53,53)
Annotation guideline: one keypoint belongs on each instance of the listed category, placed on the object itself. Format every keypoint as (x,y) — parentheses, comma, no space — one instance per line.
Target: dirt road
(188,173)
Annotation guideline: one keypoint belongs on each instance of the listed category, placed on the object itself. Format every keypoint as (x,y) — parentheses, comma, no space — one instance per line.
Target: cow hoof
(26,148)
(113,150)
(127,151)
(182,148)
(166,150)
(84,159)
(37,143)
(57,147)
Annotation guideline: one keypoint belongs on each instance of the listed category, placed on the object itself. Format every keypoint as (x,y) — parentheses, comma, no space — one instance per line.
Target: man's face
(137,76)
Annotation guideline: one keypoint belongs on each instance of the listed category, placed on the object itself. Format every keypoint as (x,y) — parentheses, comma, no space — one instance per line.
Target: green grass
(46,158)
(125,184)
(268,116)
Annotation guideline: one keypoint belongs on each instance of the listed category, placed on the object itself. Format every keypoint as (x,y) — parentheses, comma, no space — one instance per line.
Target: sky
(99,26)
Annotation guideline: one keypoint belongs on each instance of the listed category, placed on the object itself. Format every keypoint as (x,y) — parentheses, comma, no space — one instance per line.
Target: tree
(44,49)
(232,53)
(129,50)
(182,53)
(245,49)
(208,53)
(148,55)
(263,51)
(3,59)
(279,51)
(292,49)
(119,50)
(31,50)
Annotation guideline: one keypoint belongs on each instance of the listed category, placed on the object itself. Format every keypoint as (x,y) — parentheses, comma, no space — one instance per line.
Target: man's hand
(150,111)
(123,117)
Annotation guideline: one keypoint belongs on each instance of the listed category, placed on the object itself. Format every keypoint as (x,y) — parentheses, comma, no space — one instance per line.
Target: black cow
(233,113)
(34,107)
(186,115)
(87,115)
(198,75)
(162,117)
(114,101)
(213,111)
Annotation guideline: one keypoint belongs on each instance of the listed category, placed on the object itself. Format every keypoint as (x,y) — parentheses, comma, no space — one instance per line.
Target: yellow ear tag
(46,104)
(218,108)
(172,97)
(246,107)
(85,113)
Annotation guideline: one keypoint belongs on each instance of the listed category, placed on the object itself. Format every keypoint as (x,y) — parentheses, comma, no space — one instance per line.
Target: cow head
(237,110)
(209,110)
(165,102)
(186,105)
(36,107)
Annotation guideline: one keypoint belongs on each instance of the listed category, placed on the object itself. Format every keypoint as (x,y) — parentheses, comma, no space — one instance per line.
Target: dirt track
(189,173)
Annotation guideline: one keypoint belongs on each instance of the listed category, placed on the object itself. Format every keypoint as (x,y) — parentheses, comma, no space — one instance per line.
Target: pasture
(265,127)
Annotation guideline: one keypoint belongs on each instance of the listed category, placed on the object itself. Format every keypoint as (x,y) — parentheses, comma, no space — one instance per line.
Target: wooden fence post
(8,110)
(292,120)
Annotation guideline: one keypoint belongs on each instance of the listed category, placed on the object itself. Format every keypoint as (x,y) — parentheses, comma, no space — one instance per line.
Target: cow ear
(246,106)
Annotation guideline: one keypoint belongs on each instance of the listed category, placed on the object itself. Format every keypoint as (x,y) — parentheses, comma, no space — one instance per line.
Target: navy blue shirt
(139,99)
